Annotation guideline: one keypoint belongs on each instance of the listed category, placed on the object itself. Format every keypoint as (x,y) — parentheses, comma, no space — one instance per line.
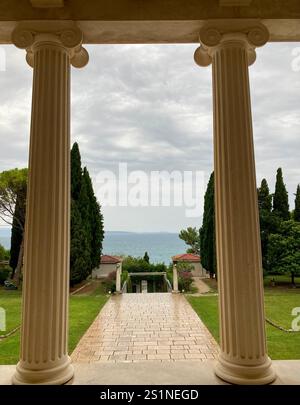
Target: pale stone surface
(175,279)
(164,373)
(137,327)
(151,22)
(202,287)
(44,334)
(243,357)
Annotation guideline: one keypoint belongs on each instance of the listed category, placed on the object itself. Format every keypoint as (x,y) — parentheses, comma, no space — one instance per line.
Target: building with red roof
(108,264)
(192,259)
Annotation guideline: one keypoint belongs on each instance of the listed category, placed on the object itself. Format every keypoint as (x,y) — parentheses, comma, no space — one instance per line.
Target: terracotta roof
(186,257)
(107,259)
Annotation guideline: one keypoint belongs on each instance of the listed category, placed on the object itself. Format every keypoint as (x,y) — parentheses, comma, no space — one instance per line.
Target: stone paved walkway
(139,327)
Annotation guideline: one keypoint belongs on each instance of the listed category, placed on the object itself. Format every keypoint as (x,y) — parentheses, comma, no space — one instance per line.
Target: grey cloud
(151,106)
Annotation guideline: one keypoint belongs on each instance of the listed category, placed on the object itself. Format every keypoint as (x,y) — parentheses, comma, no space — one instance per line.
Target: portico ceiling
(155,21)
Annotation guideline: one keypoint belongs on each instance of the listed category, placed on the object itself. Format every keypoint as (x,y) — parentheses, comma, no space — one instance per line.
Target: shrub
(185,277)
(110,282)
(4,274)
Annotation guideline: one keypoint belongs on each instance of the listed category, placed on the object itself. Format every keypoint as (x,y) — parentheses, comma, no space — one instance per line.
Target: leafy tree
(4,254)
(297,205)
(13,189)
(207,231)
(192,238)
(146,257)
(283,251)
(280,198)
(17,233)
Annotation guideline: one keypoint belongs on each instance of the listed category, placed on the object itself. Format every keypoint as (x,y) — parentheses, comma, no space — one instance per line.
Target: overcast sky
(151,107)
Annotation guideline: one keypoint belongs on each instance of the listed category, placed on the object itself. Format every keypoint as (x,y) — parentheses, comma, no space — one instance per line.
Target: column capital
(30,35)
(217,34)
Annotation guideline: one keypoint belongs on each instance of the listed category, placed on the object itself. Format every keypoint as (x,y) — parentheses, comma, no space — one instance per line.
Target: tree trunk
(293,277)
(18,270)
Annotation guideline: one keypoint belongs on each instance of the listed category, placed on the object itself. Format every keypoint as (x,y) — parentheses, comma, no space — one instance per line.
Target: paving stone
(158,327)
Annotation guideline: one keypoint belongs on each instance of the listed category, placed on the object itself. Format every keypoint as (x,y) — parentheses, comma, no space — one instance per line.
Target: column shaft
(243,357)
(44,341)
(175,279)
(118,280)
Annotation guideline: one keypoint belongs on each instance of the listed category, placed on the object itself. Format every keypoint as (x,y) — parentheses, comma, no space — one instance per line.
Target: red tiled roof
(186,257)
(107,259)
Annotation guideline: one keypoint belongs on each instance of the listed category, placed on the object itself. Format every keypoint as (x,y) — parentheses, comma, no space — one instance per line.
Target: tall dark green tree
(86,221)
(266,219)
(280,198)
(92,217)
(207,231)
(297,205)
(80,253)
(76,172)
(264,197)
(146,257)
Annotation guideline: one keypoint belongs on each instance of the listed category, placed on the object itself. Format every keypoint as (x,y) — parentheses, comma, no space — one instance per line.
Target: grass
(281,280)
(278,307)
(83,310)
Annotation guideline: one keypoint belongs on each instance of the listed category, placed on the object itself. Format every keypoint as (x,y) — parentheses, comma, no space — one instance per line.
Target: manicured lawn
(281,345)
(281,280)
(83,310)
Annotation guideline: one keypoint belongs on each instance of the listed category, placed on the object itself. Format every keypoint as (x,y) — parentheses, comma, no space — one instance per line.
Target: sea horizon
(160,245)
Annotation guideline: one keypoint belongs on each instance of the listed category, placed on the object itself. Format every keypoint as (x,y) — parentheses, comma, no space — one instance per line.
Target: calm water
(5,237)
(160,246)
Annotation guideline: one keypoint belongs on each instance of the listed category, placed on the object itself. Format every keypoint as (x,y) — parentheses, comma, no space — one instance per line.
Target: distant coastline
(161,246)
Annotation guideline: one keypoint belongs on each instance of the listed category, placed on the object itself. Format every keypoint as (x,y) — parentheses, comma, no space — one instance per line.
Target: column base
(175,292)
(245,375)
(53,376)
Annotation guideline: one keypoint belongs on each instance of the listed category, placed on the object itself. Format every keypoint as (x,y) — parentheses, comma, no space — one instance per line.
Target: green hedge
(4,274)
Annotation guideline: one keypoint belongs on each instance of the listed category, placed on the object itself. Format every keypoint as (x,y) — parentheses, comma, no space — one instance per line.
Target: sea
(161,246)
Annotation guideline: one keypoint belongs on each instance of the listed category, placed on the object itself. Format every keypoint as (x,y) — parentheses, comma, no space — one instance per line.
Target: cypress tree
(79,249)
(297,205)
(280,199)
(264,197)
(146,257)
(86,221)
(76,172)
(93,218)
(265,219)
(80,262)
(207,231)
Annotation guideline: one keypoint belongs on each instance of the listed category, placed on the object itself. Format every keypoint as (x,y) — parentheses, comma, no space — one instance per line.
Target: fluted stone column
(44,336)
(175,279)
(243,358)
